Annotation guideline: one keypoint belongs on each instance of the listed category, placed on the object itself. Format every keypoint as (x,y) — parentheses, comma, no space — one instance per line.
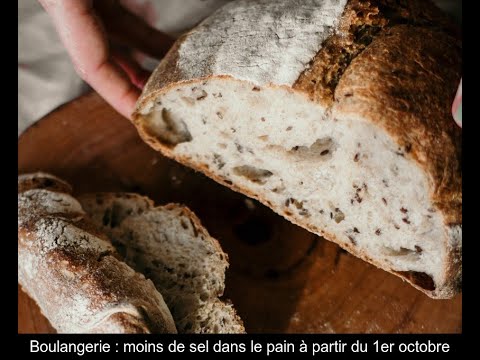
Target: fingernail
(457,106)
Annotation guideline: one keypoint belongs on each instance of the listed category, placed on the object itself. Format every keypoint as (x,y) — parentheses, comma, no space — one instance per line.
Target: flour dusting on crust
(234,47)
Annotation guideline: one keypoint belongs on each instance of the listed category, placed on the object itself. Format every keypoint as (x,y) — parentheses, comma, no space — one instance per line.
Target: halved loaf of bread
(170,246)
(336,114)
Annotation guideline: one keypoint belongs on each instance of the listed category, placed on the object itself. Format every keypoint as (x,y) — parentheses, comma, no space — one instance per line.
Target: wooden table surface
(281,277)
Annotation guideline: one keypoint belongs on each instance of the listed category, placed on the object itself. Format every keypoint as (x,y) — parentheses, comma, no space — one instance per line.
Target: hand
(457,106)
(86,27)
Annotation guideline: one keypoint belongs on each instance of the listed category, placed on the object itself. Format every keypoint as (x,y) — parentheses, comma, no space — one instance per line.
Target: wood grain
(281,278)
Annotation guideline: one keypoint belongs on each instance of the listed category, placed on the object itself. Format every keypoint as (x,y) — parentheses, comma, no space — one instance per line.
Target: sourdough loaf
(72,270)
(335,114)
(170,246)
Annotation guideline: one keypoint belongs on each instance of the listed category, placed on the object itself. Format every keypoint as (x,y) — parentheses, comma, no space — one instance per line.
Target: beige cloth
(45,74)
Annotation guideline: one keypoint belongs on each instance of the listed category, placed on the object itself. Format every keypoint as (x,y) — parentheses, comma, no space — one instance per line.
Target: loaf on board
(335,114)
(72,270)
(115,263)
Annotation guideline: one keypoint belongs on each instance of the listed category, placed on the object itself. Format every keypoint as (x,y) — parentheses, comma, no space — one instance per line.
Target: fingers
(84,38)
(457,106)
(137,75)
(128,29)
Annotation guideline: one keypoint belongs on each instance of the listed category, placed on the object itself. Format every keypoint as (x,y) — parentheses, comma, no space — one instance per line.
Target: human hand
(89,28)
(457,106)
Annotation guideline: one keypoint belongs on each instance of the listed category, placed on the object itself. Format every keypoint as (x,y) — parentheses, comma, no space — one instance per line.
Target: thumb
(457,106)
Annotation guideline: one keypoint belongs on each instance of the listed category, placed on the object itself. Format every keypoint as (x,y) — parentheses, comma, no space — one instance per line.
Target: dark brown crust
(43,181)
(361,22)
(404,81)
(66,272)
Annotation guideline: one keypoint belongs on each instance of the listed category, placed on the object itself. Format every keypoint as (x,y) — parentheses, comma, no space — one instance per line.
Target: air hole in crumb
(218,161)
(378,232)
(400,251)
(166,127)
(384,201)
(252,173)
(320,149)
(263,137)
(200,95)
(184,224)
(255,88)
(339,216)
(289,128)
(262,119)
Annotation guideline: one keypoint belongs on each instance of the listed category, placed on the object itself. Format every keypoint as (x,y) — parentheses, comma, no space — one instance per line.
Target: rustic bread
(72,270)
(170,246)
(335,114)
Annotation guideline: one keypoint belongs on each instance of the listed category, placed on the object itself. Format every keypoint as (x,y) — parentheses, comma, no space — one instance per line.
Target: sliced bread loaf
(170,246)
(72,270)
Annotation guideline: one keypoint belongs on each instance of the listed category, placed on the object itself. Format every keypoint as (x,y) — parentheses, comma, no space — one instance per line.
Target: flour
(233,45)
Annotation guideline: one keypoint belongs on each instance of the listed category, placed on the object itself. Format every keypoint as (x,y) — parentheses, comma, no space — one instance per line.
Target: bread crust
(403,81)
(96,203)
(73,272)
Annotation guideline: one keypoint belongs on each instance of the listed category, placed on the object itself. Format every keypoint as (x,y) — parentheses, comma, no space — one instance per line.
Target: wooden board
(281,278)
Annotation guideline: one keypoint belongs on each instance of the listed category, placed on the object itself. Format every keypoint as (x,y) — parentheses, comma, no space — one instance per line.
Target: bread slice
(170,246)
(72,270)
(335,114)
